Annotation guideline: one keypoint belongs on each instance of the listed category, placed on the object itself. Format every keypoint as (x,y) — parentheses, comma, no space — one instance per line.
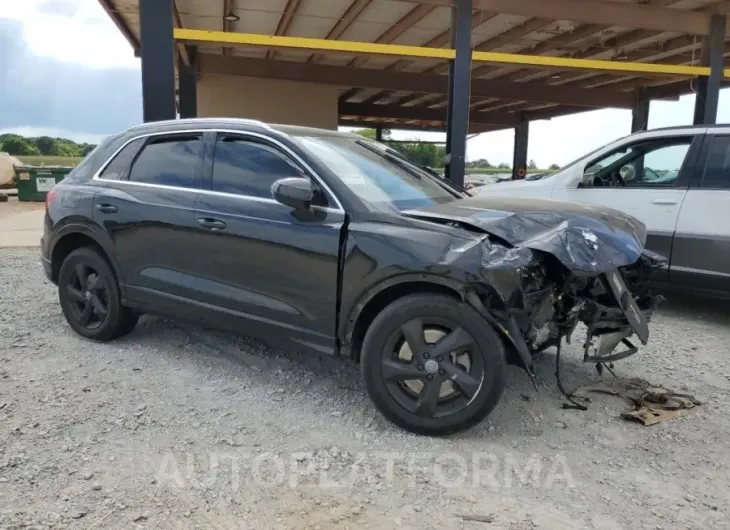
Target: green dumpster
(34,182)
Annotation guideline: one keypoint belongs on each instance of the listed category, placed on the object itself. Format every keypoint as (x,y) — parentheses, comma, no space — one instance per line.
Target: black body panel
(255,266)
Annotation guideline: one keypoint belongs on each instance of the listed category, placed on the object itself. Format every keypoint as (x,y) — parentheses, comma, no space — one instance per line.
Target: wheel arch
(71,237)
(377,298)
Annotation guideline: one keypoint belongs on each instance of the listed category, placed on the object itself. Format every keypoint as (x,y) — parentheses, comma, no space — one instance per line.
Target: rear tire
(90,298)
(452,380)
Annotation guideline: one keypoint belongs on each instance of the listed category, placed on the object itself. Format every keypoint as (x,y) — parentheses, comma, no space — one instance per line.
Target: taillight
(49,198)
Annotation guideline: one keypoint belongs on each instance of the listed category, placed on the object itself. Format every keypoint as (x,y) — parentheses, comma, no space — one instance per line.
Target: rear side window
(168,161)
(717,166)
(247,168)
(118,167)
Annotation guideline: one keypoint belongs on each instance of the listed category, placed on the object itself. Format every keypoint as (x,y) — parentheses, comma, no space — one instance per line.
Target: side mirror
(296,192)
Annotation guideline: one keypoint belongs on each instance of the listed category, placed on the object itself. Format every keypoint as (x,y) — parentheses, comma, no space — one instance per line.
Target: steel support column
(640,113)
(379,133)
(158,59)
(708,87)
(519,160)
(457,116)
(188,84)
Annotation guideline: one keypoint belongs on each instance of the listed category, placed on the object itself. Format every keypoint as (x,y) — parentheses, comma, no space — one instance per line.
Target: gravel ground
(178,427)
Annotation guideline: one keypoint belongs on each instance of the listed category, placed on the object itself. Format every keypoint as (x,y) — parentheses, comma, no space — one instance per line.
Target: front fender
(352,313)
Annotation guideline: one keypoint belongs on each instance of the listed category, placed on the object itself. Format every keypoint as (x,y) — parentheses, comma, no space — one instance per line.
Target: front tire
(432,365)
(90,299)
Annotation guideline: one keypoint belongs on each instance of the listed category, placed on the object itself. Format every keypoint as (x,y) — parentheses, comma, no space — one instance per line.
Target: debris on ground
(651,404)
(477,518)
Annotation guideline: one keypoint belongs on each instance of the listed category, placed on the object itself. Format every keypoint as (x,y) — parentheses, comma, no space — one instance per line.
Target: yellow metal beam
(270,41)
(590,64)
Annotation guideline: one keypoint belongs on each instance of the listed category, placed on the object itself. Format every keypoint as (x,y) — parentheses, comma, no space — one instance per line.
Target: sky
(66,70)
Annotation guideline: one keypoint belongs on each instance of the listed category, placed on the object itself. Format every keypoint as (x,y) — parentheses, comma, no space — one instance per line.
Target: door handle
(107,208)
(664,201)
(211,224)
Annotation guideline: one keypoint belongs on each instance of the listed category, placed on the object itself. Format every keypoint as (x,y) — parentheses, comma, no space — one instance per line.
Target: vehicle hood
(586,238)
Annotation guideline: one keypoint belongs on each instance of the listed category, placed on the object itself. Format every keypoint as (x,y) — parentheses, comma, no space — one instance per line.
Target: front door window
(649,164)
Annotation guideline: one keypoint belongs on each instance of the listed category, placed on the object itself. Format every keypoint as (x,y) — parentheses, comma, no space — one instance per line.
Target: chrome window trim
(292,154)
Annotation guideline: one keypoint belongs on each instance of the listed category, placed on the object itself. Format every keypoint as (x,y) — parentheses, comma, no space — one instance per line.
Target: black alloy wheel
(88,294)
(90,297)
(432,365)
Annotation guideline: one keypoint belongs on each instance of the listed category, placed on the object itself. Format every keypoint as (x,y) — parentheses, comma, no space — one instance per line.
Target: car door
(146,206)
(701,252)
(270,269)
(647,179)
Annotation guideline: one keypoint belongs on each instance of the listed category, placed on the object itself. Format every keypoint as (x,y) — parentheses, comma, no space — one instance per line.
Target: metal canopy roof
(410,92)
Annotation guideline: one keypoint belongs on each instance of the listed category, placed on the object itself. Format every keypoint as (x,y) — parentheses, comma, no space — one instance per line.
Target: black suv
(338,244)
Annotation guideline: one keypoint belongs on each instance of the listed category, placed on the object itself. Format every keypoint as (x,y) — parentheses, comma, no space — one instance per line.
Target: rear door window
(119,166)
(168,161)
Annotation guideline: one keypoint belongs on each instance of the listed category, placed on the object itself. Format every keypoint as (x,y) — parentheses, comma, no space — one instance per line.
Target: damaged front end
(540,274)
(541,302)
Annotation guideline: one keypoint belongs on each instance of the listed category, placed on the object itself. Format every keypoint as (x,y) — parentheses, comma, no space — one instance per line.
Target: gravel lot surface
(178,427)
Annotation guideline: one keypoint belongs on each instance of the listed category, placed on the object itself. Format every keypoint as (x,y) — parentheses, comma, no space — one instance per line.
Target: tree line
(17,145)
(434,155)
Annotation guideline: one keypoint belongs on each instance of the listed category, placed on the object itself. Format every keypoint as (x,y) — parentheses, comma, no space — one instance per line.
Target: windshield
(591,153)
(379,175)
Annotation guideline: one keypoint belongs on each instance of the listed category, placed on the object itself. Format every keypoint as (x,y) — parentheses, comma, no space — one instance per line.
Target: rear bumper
(46,263)
(45,253)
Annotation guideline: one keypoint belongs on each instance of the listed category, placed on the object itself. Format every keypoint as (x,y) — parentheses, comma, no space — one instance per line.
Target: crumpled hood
(584,238)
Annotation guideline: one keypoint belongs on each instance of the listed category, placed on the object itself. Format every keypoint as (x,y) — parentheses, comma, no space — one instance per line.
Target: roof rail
(198,120)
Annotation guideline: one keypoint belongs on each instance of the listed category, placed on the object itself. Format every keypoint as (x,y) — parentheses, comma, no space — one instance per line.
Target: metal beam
(181,48)
(369,48)
(284,22)
(610,13)
(627,39)
(519,158)
(188,85)
(507,37)
(708,88)
(406,81)
(121,24)
(227,8)
(427,126)
(396,30)
(158,59)
(548,46)
(457,114)
(348,17)
(442,39)
(640,113)
(675,89)
(502,118)
(611,82)
(423,114)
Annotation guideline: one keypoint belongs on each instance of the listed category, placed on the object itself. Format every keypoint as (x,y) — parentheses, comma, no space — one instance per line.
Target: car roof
(699,127)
